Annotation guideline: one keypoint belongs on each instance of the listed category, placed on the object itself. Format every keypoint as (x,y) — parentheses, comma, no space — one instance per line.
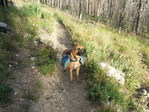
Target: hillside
(32,79)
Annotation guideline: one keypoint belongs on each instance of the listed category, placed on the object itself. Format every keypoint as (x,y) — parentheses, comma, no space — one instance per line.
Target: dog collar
(73,60)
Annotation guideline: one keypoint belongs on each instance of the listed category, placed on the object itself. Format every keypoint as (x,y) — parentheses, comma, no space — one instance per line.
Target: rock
(15,93)
(3,27)
(112,72)
(17,55)
(33,58)
(93,110)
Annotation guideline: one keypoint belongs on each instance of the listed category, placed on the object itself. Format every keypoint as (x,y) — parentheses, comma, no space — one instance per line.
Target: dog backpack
(65,61)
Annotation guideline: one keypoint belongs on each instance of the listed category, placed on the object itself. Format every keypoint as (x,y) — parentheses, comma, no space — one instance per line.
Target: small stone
(17,55)
(10,65)
(93,110)
(15,93)
(21,99)
(16,63)
(33,67)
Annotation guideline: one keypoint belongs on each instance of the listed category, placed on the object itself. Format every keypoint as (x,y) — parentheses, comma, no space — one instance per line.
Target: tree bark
(80,9)
(122,14)
(138,17)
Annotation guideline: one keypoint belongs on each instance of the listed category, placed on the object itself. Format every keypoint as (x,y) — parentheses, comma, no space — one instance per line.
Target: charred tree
(120,24)
(138,16)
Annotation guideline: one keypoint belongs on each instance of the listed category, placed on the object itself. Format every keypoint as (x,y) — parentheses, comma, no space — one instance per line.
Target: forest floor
(56,94)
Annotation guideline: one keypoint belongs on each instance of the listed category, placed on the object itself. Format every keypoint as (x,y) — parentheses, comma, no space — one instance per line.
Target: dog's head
(78,47)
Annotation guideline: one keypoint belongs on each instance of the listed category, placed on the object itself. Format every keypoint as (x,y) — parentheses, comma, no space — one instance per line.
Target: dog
(73,52)
(75,60)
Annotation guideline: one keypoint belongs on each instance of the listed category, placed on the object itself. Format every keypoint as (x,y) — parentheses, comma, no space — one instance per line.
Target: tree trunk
(138,17)
(110,9)
(80,9)
(87,7)
(4,3)
(120,24)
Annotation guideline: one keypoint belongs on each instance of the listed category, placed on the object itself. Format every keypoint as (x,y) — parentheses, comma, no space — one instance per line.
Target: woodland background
(131,15)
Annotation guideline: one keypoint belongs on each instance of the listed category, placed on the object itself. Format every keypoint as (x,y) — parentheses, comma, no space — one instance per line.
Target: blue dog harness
(66,60)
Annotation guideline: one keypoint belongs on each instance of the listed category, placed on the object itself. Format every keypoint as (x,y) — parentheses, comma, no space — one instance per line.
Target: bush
(104,88)
(45,59)
(5,91)
(31,96)
(30,10)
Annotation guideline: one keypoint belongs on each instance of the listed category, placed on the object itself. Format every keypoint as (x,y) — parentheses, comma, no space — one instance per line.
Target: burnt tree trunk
(4,3)
(138,17)
(80,9)
(120,24)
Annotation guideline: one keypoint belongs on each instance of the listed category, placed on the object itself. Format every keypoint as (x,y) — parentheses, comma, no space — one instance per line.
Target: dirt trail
(57,94)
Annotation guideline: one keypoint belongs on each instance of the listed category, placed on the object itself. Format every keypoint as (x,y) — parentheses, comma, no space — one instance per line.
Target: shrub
(104,88)
(30,10)
(23,108)
(5,91)
(31,96)
(45,59)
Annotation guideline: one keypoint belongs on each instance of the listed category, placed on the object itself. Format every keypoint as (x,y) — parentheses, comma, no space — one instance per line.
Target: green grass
(30,18)
(45,60)
(23,108)
(103,88)
(38,85)
(31,96)
(24,24)
(6,48)
(121,50)
(108,108)
(5,93)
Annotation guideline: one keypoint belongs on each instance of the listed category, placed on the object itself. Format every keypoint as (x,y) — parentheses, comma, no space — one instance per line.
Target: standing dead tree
(4,3)
(131,15)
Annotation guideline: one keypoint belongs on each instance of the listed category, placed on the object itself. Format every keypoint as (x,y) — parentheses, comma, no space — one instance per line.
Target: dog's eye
(79,49)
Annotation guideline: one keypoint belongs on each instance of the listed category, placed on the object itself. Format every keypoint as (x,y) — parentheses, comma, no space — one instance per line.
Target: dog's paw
(64,70)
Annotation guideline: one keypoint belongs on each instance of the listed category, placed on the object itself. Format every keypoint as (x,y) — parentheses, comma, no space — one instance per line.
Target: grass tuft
(5,93)
(45,60)
(23,108)
(31,96)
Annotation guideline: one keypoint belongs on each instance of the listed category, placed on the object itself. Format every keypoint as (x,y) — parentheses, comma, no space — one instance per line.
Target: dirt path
(57,94)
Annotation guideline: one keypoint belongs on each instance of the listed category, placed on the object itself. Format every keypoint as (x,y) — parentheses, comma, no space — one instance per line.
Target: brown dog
(75,60)
(74,65)
(73,52)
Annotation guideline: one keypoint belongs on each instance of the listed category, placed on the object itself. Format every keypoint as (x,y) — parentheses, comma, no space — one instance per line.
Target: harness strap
(69,54)
(73,60)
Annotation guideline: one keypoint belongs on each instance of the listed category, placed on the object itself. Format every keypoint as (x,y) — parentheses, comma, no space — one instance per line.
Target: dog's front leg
(70,73)
(77,73)
(72,57)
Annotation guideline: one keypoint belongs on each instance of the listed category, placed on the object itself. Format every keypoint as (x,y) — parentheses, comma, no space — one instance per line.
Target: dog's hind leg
(70,73)
(77,73)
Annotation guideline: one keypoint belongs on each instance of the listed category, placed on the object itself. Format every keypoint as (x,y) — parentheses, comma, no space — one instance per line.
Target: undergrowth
(45,60)
(23,108)
(24,24)
(121,50)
